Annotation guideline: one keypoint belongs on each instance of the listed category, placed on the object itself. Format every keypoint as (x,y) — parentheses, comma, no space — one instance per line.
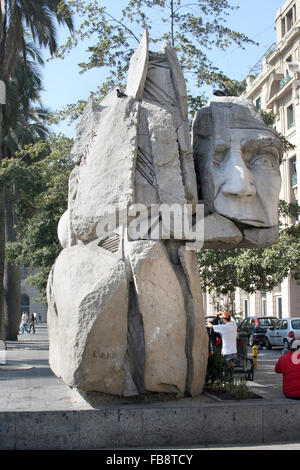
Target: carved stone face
(238,163)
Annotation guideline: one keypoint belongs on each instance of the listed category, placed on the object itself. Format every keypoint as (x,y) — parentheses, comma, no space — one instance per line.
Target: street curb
(134,426)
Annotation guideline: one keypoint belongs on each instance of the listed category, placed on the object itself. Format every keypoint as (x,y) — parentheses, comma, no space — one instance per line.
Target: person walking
(32,323)
(23,323)
(289,366)
(228,332)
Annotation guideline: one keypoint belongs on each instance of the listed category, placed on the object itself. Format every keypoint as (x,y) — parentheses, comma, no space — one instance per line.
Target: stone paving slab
(26,381)
(38,411)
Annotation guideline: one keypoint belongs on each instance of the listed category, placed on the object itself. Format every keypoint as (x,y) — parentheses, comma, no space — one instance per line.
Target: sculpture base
(39,412)
(188,422)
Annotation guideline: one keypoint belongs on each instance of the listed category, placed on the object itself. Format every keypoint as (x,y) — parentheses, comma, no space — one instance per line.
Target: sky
(63,84)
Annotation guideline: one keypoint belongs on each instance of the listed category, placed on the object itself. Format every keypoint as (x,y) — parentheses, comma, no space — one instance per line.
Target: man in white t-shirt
(228,332)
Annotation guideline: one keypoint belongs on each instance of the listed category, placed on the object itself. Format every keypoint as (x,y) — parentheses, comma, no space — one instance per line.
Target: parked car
(255,328)
(283,332)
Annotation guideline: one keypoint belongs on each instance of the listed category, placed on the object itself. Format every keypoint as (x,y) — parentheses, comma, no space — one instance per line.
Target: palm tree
(17,19)
(35,16)
(24,124)
(23,114)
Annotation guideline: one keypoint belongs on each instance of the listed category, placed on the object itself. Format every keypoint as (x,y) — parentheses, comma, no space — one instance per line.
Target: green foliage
(253,269)
(223,302)
(40,202)
(24,119)
(72,112)
(286,144)
(236,390)
(23,17)
(192,28)
(220,378)
(218,369)
(270,119)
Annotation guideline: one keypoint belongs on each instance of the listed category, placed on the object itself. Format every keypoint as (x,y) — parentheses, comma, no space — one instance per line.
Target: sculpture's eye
(263,161)
(219,157)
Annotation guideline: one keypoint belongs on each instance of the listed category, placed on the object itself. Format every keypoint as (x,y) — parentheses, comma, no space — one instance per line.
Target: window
(264,307)
(293,187)
(258,104)
(24,271)
(282,27)
(293,171)
(265,322)
(289,20)
(25,303)
(296,324)
(285,80)
(284,325)
(246,307)
(290,116)
(279,307)
(277,325)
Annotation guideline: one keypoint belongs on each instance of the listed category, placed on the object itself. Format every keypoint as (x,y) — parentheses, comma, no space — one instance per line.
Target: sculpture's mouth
(247,211)
(252,221)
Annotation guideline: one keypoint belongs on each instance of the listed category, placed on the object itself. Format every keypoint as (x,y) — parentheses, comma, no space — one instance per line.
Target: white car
(282,333)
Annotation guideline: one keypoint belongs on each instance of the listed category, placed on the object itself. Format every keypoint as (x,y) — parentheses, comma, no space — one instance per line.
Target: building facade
(275,87)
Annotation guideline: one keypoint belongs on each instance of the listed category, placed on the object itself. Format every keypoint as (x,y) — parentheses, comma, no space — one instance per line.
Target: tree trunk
(2,194)
(12,296)
(2,257)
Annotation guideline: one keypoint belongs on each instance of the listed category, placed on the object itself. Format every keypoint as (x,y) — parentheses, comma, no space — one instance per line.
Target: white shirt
(228,332)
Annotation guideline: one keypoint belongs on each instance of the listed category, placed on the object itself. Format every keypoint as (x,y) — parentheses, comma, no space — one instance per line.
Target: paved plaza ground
(35,403)
(28,384)
(26,380)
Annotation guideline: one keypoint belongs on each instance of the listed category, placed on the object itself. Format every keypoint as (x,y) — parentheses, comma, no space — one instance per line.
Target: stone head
(237,160)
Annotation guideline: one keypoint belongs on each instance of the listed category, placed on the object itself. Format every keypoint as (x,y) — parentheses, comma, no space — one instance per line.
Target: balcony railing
(258,67)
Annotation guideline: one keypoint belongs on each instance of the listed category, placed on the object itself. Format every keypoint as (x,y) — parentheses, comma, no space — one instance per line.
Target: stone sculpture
(237,161)
(125,315)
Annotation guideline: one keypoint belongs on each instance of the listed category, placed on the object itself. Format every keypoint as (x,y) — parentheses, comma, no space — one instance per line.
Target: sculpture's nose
(238,178)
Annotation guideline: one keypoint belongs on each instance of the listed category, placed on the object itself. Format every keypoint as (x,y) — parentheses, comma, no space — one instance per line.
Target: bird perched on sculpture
(223,92)
(120,94)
